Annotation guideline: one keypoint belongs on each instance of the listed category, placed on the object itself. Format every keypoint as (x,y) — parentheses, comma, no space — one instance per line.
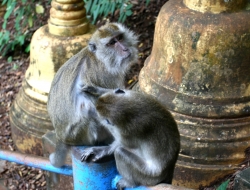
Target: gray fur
(97,65)
(147,140)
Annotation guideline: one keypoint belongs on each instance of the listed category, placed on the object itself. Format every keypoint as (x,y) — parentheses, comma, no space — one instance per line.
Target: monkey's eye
(119,91)
(111,42)
(92,47)
(120,37)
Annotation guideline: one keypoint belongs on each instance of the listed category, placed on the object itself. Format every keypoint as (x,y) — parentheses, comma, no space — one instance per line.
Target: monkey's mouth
(127,55)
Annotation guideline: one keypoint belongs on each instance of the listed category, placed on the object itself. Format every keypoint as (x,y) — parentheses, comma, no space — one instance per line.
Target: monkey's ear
(92,47)
(94,91)
(119,91)
(89,89)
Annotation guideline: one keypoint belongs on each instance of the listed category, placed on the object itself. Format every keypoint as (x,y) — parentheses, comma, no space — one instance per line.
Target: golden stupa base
(28,115)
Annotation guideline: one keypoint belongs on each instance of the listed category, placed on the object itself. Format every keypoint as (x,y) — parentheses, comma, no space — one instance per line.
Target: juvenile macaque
(104,62)
(147,140)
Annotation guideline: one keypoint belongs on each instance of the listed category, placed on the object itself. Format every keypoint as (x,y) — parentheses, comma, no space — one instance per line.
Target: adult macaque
(147,140)
(104,62)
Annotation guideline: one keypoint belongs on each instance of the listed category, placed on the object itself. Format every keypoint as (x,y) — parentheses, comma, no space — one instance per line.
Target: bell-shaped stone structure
(52,45)
(199,69)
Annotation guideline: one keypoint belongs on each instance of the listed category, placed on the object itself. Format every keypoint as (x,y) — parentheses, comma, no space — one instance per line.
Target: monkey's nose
(119,91)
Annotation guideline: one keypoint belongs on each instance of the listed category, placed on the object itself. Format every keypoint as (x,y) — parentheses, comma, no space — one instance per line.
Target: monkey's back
(148,134)
(67,103)
(141,117)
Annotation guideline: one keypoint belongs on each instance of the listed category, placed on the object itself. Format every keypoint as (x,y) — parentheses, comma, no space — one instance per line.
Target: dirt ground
(21,177)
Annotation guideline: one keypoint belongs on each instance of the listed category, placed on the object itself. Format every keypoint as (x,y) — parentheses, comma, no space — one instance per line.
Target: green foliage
(223,186)
(147,2)
(29,15)
(98,8)
(25,14)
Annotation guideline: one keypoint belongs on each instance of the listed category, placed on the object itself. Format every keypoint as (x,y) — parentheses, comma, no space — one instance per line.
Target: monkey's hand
(97,154)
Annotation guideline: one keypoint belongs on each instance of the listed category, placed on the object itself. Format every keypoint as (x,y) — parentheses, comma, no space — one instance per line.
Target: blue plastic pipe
(91,176)
(95,176)
(34,161)
(87,176)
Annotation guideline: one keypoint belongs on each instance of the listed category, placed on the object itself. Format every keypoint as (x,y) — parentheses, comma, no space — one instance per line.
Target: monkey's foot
(97,154)
(123,183)
(55,161)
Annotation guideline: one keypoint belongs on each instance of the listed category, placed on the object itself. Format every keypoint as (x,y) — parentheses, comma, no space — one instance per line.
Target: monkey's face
(107,103)
(115,46)
(115,106)
(119,45)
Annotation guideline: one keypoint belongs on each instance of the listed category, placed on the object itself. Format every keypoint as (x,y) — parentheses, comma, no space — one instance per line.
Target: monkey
(146,137)
(111,51)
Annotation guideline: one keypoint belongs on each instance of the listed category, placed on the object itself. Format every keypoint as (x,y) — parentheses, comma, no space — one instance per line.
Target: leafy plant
(223,186)
(29,15)
(96,8)
(26,14)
